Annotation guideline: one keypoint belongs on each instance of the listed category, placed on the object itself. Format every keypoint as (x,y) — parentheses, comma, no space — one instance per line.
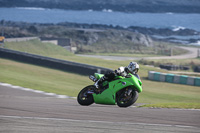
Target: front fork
(128,91)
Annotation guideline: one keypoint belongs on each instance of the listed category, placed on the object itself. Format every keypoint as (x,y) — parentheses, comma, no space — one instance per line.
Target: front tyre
(84,98)
(126,100)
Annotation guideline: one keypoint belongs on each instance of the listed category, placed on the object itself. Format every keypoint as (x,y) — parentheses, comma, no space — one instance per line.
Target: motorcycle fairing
(108,96)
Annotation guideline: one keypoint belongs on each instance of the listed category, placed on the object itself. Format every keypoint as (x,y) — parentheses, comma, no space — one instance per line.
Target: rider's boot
(99,84)
(93,78)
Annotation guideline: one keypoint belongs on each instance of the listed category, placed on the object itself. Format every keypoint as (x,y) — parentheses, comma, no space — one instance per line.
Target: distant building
(64,42)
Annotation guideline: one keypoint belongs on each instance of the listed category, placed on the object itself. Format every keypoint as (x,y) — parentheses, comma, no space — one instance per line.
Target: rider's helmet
(133,67)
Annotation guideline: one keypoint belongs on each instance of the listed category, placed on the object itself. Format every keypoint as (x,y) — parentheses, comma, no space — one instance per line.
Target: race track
(192,53)
(24,111)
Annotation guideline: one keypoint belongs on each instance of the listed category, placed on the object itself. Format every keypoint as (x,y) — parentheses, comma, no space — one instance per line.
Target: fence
(172,78)
(20,39)
(63,65)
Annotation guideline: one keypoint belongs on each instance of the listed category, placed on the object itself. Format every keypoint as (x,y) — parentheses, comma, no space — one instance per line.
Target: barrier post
(151,75)
(190,81)
(162,77)
(169,78)
(183,79)
(197,81)
(198,53)
(157,76)
(176,79)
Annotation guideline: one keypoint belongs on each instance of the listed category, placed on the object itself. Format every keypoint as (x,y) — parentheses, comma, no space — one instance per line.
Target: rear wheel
(127,97)
(85,96)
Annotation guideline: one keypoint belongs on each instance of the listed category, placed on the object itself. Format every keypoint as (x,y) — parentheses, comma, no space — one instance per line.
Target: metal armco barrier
(172,78)
(63,65)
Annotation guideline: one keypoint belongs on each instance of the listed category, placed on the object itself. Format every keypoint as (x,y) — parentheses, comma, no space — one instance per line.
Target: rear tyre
(124,100)
(84,98)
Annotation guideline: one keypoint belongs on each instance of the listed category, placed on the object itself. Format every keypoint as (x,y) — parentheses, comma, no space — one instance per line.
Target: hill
(183,6)
(103,40)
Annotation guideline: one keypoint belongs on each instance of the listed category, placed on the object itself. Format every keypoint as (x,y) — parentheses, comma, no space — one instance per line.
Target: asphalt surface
(192,53)
(24,111)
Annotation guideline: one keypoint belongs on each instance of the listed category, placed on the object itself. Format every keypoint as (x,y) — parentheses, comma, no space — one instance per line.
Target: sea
(174,21)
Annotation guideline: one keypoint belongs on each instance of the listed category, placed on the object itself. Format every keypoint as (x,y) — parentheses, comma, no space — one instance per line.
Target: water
(174,21)
(154,20)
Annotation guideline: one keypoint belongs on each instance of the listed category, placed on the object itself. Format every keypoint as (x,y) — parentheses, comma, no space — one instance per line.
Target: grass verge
(174,105)
(41,78)
(155,94)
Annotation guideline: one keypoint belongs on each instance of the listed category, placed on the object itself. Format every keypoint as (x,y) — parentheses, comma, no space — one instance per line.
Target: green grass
(174,105)
(41,78)
(187,62)
(155,94)
(37,47)
(124,54)
(59,82)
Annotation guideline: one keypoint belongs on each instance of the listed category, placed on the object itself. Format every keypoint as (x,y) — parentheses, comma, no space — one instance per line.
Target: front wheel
(85,97)
(127,97)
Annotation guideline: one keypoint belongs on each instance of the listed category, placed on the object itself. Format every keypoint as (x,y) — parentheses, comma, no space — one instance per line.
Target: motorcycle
(122,91)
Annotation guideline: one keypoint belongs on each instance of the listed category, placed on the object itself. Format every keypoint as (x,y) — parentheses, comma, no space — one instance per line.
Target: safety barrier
(79,68)
(172,78)
(174,67)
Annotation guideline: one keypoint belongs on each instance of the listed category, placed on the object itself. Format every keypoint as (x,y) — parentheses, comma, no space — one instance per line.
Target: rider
(132,68)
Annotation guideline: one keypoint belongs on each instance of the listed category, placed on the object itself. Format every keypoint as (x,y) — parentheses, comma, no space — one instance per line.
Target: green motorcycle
(122,91)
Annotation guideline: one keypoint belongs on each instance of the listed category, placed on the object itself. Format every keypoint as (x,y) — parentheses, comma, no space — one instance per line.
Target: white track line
(36,91)
(93,121)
